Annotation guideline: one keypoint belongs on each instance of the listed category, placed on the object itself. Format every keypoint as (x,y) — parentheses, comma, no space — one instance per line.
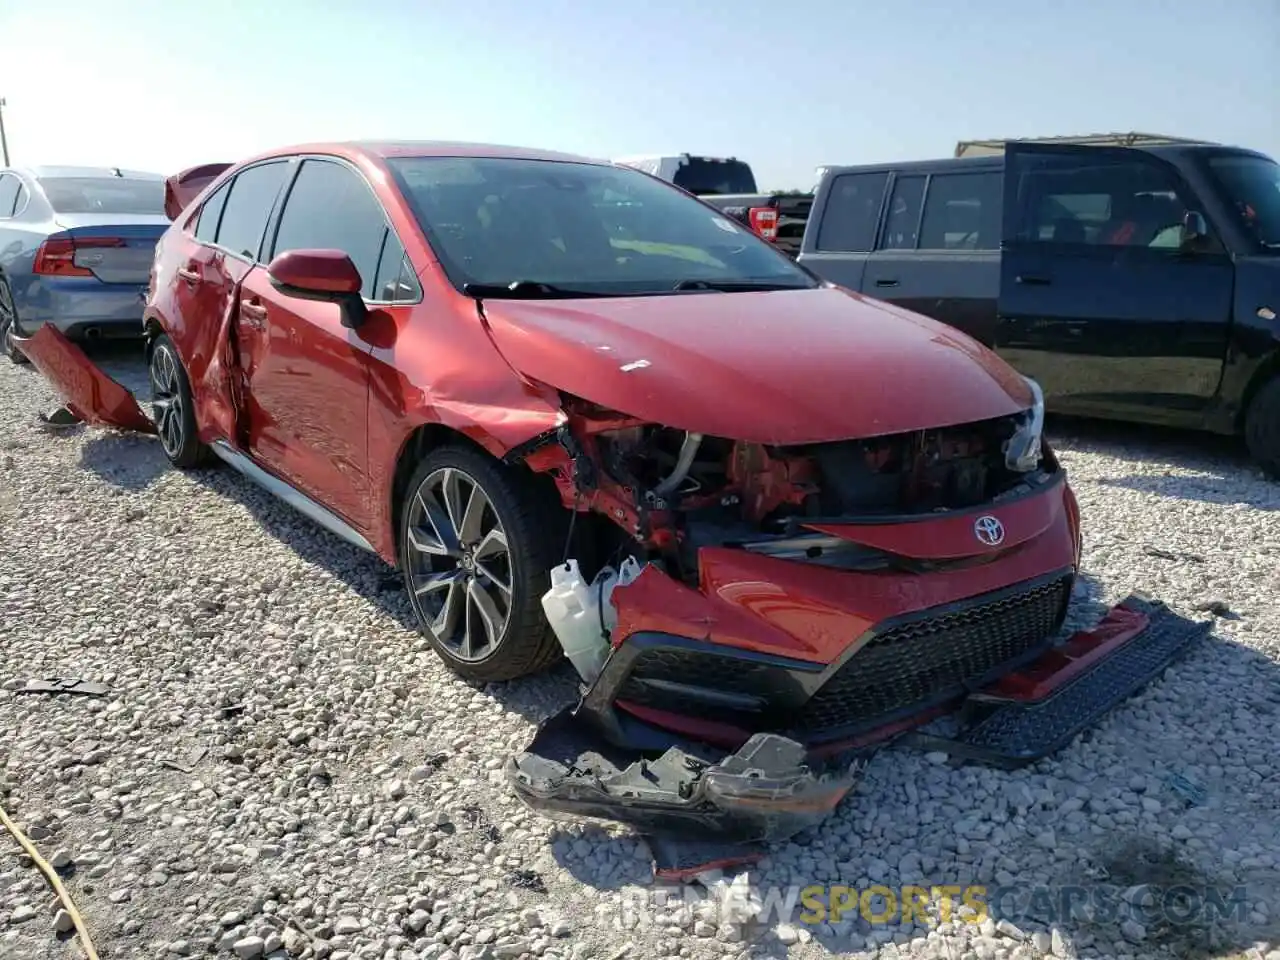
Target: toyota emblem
(989,530)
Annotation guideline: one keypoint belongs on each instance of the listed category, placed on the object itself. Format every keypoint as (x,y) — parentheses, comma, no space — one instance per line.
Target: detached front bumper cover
(765,791)
(773,787)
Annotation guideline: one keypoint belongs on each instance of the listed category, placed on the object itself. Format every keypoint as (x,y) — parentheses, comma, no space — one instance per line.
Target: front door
(308,375)
(1100,301)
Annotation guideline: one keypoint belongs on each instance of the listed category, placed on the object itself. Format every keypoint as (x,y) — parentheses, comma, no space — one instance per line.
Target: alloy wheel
(166,400)
(460,565)
(7,314)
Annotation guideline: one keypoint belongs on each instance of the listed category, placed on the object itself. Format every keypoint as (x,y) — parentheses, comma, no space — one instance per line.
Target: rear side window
(248,206)
(852,212)
(330,208)
(210,214)
(904,214)
(9,185)
(104,195)
(962,212)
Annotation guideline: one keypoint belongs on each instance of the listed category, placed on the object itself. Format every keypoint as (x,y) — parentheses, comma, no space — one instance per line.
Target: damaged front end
(751,621)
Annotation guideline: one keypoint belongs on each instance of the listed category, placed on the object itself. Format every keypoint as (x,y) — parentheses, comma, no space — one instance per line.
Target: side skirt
(293,497)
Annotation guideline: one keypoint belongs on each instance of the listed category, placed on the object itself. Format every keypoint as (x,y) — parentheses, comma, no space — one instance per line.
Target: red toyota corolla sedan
(480,362)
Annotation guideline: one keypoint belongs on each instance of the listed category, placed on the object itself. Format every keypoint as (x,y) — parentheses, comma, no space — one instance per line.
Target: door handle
(1028,280)
(886,283)
(189,275)
(254,313)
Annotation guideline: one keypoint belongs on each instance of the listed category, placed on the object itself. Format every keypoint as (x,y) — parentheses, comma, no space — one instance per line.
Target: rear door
(213,262)
(843,221)
(1099,301)
(939,250)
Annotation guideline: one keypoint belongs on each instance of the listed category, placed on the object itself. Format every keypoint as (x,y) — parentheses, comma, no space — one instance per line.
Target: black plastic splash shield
(1016,734)
(765,791)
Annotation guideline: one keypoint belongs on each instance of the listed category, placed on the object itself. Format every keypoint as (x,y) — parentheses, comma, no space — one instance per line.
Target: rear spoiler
(182,188)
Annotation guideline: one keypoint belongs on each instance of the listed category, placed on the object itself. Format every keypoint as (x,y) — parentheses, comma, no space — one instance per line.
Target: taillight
(56,257)
(764,221)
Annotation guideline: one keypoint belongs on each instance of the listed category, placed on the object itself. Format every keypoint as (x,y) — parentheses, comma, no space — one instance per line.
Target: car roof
(388,149)
(105,173)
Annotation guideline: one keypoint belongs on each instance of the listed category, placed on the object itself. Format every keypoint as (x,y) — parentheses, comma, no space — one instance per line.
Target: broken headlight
(1022,452)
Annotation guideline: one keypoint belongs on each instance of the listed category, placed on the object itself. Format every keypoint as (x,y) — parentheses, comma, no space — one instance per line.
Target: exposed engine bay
(673,491)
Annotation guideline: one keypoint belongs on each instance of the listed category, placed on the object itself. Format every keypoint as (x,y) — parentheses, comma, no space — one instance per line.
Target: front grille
(936,655)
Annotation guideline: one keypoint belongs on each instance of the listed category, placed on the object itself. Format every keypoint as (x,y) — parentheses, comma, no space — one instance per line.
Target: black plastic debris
(69,685)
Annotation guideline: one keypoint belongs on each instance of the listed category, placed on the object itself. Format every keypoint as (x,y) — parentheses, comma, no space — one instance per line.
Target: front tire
(476,550)
(8,314)
(172,407)
(1262,428)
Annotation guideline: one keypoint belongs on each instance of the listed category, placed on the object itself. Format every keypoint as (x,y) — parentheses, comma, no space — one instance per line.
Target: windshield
(1252,186)
(581,228)
(703,176)
(104,195)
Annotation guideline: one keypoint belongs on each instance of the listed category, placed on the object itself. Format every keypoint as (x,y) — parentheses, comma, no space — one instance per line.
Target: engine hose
(52,876)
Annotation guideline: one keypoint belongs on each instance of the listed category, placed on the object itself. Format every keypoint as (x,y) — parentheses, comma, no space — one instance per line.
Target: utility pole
(4,144)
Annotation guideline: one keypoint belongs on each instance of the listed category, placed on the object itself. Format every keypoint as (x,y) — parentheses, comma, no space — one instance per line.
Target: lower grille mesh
(927,658)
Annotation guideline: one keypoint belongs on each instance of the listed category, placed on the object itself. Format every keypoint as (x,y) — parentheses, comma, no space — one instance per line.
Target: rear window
(848,224)
(104,195)
(706,176)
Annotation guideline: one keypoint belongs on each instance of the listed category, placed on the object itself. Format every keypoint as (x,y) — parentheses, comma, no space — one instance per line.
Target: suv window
(8,194)
(211,213)
(962,212)
(248,206)
(852,212)
(904,214)
(330,207)
(1104,200)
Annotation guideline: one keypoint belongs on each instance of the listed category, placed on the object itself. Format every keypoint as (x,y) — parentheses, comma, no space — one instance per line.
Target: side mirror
(326,275)
(1194,229)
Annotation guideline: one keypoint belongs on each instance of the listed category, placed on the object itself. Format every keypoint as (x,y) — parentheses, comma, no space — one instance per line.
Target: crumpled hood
(784,367)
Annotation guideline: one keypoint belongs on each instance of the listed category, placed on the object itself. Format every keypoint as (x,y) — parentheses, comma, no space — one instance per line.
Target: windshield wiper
(526,290)
(736,286)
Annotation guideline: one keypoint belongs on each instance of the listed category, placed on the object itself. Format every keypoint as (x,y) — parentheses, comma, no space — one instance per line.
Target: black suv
(1134,283)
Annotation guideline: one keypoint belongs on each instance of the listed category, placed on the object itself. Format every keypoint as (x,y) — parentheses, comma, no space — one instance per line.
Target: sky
(786,86)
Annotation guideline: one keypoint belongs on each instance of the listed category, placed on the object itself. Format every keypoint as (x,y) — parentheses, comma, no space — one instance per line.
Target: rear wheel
(476,549)
(1262,428)
(8,313)
(172,407)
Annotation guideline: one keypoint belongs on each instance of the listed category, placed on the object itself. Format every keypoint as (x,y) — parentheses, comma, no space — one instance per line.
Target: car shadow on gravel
(130,461)
(535,698)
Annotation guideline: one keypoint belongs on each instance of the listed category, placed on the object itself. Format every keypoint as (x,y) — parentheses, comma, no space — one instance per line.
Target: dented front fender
(86,389)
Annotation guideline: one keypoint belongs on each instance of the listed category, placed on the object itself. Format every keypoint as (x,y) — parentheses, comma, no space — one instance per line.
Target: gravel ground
(283,768)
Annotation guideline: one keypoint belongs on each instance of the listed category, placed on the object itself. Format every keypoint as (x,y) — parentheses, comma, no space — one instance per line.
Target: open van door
(1114,293)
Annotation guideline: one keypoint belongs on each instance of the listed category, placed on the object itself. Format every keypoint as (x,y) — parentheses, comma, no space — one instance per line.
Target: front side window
(330,208)
(1100,201)
(596,230)
(962,212)
(848,224)
(122,195)
(1251,186)
(248,207)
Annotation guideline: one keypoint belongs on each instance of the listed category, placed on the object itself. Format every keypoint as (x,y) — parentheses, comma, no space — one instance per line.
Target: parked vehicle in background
(76,245)
(1138,283)
(729,185)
